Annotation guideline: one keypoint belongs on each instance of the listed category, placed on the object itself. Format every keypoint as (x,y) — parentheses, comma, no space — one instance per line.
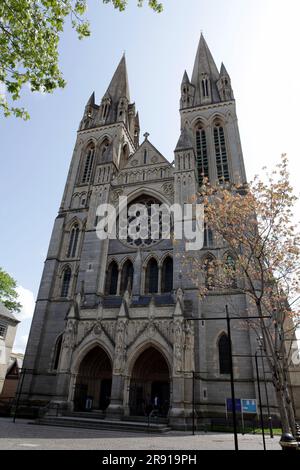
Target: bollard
(288,442)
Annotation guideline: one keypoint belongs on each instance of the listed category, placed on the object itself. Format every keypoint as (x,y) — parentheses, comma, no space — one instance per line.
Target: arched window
(105,108)
(125,154)
(205,90)
(208,236)
(66,279)
(209,267)
(230,270)
(221,153)
(142,224)
(202,156)
(57,352)
(103,149)
(167,275)
(224,356)
(73,242)
(112,279)
(126,277)
(151,281)
(88,164)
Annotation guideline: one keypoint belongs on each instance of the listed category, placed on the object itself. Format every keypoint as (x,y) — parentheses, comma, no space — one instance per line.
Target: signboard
(238,405)
(249,406)
(242,405)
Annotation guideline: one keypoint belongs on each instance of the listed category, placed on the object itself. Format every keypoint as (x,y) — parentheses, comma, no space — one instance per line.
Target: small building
(13,372)
(8,329)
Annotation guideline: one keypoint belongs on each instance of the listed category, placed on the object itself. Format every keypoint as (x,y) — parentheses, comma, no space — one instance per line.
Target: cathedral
(119,327)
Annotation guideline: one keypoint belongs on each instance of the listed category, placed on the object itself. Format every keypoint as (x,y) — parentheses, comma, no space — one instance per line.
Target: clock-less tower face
(141,226)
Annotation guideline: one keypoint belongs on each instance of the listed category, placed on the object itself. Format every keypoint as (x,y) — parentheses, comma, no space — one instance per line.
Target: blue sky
(258,41)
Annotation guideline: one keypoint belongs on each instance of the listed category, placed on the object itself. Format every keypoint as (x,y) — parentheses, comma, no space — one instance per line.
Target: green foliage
(8,294)
(121,4)
(29,38)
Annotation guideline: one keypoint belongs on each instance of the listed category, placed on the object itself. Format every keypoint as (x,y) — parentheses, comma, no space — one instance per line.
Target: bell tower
(208,110)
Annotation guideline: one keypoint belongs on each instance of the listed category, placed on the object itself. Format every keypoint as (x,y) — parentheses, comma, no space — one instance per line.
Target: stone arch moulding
(141,344)
(102,139)
(168,254)
(75,220)
(86,346)
(197,121)
(217,117)
(149,257)
(130,258)
(145,192)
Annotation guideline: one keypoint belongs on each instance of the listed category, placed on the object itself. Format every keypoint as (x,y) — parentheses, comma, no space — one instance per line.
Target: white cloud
(20,343)
(26,298)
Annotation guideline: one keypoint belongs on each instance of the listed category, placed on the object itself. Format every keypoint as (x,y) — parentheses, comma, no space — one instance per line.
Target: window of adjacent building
(73,242)
(3,330)
(224,357)
(88,164)
(151,280)
(202,155)
(66,279)
(221,153)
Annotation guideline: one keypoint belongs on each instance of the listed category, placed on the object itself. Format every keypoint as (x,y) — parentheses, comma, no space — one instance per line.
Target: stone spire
(223,71)
(185,78)
(205,69)
(224,85)
(91,101)
(185,141)
(119,87)
(115,104)
(187,92)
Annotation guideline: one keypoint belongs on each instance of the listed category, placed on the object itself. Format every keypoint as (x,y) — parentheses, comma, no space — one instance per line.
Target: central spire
(119,87)
(205,68)
(204,62)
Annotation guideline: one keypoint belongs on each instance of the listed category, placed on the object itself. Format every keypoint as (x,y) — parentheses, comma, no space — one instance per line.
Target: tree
(8,294)
(29,39)
(259,256)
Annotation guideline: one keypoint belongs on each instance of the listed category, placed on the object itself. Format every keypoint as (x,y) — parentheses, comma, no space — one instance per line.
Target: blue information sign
(249,406)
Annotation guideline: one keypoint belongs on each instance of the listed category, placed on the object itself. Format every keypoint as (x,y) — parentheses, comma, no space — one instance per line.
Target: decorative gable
(146,155)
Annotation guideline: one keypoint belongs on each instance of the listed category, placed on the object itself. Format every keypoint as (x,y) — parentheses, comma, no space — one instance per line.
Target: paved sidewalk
(26,435)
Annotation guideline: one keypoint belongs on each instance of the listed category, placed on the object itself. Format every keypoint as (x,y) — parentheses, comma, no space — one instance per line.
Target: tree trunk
(290,408)
(282,411)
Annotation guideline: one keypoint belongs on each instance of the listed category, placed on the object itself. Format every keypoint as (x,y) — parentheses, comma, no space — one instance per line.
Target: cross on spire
(146,135)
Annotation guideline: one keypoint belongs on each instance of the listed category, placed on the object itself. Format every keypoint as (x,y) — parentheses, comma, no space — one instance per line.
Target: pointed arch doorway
(93,381)
(149,384)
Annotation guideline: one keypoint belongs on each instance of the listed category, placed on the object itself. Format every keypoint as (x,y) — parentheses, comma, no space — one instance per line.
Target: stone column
(115,409)
(159,279)
(119,281)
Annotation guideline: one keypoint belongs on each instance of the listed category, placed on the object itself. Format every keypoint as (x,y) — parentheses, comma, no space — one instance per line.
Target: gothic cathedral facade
(113,327)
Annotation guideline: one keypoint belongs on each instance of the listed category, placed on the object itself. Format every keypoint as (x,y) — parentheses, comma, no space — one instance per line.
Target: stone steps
(110,425)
